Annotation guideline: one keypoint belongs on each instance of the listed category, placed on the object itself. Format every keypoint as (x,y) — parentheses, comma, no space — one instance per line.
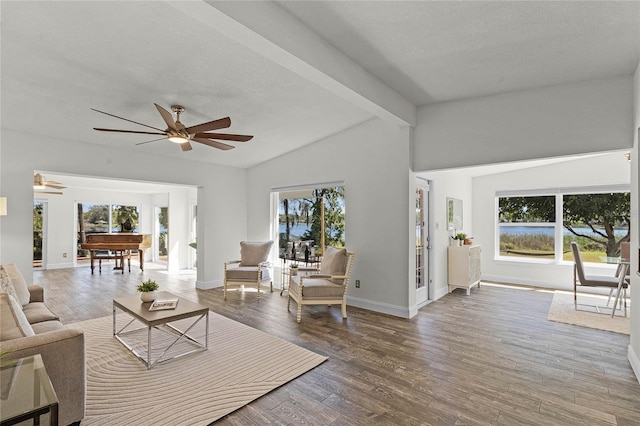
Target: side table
(27,392)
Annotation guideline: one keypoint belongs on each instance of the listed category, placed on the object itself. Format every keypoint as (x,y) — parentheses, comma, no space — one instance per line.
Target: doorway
(161,234)
(39,234)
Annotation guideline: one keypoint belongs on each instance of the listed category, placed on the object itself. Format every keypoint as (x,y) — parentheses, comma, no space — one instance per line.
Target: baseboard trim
(208,285)
(58,265)
(526,282)
(634,361)
(383,308)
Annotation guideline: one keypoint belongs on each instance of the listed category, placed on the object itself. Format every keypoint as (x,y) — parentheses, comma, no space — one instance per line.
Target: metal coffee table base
(145,357)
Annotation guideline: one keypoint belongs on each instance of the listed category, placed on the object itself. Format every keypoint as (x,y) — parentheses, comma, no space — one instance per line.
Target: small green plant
(460,236)
(147,286)
(294,266)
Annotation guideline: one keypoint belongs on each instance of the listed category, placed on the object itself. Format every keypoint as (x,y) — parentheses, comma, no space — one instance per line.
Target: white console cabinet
(464,267)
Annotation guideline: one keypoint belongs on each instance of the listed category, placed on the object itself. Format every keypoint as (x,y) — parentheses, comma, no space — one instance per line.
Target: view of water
(296,230)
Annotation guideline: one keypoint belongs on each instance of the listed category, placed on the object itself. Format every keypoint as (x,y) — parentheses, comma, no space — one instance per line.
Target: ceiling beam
(270,31)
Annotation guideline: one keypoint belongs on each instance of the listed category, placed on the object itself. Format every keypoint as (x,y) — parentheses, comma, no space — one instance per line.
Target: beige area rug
(562,310)
(241,365)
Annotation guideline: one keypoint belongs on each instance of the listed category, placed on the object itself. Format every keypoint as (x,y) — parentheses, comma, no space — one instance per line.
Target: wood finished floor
(488,358)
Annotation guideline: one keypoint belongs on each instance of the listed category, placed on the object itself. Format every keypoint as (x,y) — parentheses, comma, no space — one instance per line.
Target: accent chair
(327,287)
(252,270)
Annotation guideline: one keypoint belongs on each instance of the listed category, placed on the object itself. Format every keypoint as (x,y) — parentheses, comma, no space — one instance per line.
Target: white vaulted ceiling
(289,73)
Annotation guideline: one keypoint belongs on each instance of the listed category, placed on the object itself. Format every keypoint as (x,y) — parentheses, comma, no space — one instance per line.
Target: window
(543,226)
(104,219)
(301,214)
(527,226)
(124,218)
(597,222)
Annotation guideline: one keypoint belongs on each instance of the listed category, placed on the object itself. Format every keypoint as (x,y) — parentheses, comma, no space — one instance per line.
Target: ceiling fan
(40,185)
(177,132)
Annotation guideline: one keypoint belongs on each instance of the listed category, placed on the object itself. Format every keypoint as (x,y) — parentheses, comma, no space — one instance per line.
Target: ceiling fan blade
(224,137)
(48,192)
(221,123)
(126,119)
(127,131)
(166,116)
(49,185)
(154,140)
(214,144)
(186,146)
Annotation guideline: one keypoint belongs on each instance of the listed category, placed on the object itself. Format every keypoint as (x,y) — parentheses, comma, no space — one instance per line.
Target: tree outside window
(300,219)
(124,218)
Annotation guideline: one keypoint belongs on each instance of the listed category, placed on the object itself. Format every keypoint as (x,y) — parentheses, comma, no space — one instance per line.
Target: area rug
(241,365)
(562,310)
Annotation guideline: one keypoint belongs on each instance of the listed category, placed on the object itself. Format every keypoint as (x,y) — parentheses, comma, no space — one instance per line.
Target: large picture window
(95,218)
(544,226)
(314,216)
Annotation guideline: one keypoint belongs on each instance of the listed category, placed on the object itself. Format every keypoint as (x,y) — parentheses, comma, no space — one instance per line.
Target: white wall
(609,169)
(592,116)
(221,195)
(373,161)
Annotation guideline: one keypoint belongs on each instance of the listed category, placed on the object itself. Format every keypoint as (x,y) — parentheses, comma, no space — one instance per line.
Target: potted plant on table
(459,238)
(147,290)
(294,268)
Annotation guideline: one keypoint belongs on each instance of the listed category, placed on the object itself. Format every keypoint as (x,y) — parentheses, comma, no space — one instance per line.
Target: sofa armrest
(63,354)
(36,292)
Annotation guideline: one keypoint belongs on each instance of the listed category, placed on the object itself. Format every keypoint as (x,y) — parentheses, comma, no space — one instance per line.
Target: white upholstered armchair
(252,270)
(328,287)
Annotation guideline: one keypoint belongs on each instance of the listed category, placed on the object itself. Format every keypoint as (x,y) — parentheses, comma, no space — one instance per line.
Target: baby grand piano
(118,247)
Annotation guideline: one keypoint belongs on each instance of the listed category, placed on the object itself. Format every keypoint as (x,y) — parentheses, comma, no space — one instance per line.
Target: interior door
(422,244)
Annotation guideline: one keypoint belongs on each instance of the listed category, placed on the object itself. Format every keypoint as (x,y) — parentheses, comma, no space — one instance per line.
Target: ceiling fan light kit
(177,133)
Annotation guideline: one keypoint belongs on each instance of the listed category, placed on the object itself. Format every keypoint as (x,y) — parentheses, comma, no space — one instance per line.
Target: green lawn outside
(587,256)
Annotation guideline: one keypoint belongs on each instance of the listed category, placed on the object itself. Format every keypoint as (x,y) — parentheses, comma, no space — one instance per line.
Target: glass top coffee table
(169,337)
(27,392)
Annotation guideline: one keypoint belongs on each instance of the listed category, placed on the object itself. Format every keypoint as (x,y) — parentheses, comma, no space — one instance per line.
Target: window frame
(559,217)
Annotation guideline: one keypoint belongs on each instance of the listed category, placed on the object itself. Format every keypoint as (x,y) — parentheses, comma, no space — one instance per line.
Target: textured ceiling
(61,58)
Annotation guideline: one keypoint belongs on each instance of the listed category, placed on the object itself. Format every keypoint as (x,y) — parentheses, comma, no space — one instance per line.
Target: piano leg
(141,258)
(91,254)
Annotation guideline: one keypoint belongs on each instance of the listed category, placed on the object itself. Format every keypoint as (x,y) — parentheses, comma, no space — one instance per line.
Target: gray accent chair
(252,269)
(326,287)
(580,279)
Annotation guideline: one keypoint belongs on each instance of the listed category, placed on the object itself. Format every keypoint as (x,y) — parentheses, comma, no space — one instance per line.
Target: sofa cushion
(334,261)
(6,286)
(247,273)
(37,312)
(13,322)
(47,326)
(316,288)
(19,284)
(253,253)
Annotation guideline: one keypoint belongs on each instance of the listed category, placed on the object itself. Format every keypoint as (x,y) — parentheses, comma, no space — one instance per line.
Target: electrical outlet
(357,283)
(64,254)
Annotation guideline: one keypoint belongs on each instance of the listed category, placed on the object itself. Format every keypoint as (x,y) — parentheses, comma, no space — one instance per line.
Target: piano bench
(118,255)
